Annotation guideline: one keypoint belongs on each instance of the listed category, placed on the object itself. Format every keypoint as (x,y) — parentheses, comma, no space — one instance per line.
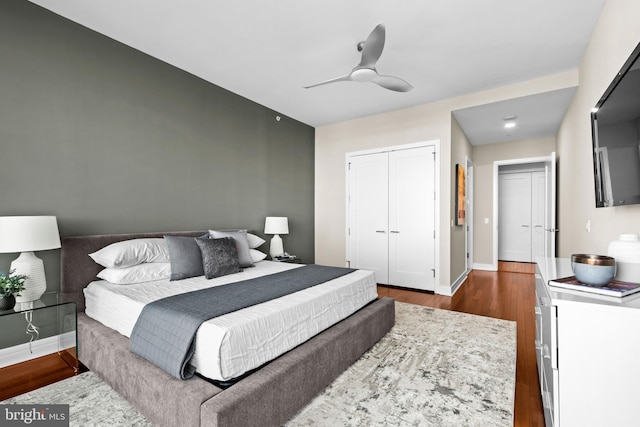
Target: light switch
(486,220)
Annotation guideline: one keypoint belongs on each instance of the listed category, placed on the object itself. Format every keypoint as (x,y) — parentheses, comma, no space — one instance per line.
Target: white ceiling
(536,116)
(266,51)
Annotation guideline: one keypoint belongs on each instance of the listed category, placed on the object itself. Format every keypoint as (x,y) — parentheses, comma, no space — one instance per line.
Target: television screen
(615,123)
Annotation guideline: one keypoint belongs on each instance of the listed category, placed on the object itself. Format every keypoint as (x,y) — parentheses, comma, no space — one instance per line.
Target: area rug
(434,368)
(91,402)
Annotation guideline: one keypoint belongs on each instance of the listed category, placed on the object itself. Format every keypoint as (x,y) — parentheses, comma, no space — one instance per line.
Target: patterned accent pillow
(242,244)
(219,256)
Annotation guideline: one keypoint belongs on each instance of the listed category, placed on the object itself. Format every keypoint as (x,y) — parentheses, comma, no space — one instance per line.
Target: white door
(412,218)
(514,216)
(538,214)
(368,214)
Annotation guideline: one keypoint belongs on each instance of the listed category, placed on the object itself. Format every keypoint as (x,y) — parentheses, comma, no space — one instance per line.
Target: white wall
(615,36)
(422,123)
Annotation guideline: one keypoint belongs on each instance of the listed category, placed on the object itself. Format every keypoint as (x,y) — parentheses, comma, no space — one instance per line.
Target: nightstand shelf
(291,260)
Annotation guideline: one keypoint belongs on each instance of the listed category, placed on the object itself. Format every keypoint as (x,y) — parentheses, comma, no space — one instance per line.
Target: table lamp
(276,225)
(27,234)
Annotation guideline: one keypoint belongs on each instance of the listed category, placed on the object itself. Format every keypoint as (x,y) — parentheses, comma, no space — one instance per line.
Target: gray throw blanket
(165,332)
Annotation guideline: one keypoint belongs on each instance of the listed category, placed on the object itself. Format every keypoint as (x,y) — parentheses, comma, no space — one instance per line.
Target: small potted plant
(10,287)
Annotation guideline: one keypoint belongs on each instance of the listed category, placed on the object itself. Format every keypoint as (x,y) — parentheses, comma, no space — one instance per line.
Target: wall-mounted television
(615,125)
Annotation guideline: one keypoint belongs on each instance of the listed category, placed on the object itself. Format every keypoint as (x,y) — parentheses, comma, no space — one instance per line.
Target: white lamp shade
(28,233)
(276,225)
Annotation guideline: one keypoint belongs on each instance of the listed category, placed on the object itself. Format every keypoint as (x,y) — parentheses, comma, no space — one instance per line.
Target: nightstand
(38,345)
(291,260)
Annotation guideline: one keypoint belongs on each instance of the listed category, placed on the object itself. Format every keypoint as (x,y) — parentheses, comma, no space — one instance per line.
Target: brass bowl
(595,270)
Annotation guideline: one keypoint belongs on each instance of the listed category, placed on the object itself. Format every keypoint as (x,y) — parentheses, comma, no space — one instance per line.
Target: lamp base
(276,247)
(31,266)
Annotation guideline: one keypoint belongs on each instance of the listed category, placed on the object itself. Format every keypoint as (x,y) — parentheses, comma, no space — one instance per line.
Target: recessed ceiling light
(509,121)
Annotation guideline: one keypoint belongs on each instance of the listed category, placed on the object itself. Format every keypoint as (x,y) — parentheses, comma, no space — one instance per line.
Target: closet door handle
(394,231)
(381,231)
(537,226)
(525,226)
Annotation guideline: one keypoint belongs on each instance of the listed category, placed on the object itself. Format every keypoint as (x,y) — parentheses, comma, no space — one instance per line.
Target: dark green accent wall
(111,140)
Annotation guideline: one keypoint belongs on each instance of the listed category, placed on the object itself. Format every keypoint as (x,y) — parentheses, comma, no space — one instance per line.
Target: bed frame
(270,396)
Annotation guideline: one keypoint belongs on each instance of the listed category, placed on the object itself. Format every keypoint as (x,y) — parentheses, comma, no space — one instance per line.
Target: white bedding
(230,345)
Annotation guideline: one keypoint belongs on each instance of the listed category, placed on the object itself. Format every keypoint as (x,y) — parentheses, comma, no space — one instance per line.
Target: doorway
(548,226)
(521,211)
(469,223)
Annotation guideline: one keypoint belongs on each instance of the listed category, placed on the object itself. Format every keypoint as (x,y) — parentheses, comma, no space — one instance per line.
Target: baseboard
(21,353)
(443,290)
(459,281)
(486,267)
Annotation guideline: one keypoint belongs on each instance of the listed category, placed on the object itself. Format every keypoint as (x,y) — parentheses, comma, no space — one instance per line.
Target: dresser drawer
(549,392)
(549,337)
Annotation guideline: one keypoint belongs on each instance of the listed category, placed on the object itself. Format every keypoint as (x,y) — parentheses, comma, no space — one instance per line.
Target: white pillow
(132,252)
(137,273)
(254,241)
(256,255)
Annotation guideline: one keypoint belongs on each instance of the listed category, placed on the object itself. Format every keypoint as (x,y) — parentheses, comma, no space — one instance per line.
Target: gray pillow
(185,257)
(242,244)
(219,256)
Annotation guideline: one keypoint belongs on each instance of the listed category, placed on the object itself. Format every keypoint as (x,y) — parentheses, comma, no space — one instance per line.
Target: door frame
(547,160)
(444,289)
(469,217)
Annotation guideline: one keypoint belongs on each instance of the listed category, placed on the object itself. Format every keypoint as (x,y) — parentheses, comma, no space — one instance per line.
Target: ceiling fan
(366,71)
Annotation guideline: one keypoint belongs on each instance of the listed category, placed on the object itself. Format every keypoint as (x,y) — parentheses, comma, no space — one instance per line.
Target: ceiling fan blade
(336,79)
(392,83)
(373,46)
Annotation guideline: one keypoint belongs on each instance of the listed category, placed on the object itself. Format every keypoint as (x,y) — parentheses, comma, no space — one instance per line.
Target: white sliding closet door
(391,216)
(412,218)
(368,214)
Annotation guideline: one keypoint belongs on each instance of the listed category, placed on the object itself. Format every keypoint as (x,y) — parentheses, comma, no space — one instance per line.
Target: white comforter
(230,345)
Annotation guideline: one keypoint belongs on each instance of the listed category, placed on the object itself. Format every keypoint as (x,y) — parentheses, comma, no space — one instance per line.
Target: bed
(268,396)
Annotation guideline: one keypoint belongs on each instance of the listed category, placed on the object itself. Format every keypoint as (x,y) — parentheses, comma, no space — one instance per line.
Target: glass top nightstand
(48,299)
(292,259)
(38,328)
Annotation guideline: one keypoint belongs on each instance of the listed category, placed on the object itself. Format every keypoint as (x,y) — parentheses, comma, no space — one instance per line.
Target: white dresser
(588,352)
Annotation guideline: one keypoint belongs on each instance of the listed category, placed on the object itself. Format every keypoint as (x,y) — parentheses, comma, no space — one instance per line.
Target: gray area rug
(434,368)
(91,402)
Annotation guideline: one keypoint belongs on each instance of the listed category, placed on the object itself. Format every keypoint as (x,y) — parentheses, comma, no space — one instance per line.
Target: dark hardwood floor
(502,295)
(32,374)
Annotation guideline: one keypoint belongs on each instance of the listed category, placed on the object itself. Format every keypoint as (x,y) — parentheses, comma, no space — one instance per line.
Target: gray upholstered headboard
(78,269)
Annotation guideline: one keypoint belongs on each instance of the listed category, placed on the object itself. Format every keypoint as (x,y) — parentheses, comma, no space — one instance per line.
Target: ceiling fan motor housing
(363,74)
